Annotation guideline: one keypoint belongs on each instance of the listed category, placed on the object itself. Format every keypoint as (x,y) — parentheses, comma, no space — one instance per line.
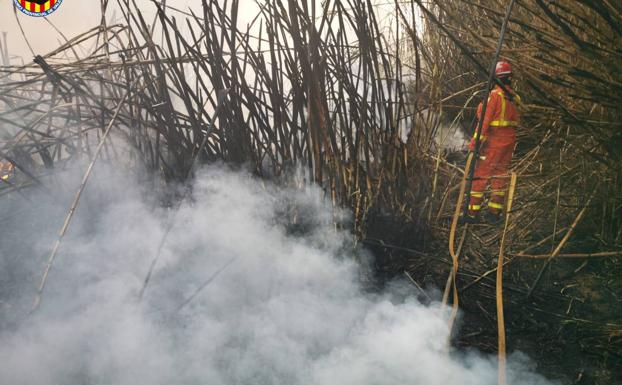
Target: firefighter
(497,141)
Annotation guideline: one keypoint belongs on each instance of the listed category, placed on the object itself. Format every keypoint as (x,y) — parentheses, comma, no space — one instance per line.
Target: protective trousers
(492,167)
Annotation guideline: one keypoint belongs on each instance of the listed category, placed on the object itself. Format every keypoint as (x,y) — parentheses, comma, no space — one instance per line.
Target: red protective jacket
(501,116)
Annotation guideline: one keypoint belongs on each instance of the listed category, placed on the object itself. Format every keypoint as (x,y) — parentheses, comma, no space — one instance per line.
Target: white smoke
(288,307)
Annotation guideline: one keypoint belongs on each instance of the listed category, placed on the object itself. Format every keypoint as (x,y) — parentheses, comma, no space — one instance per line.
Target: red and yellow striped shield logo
(37,8)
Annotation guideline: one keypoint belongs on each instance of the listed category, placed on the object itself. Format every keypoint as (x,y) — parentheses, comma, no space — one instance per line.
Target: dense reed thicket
(565,233)
(327,94)
(362,99)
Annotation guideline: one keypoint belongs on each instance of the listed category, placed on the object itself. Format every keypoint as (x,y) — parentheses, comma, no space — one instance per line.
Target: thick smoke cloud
(287,309)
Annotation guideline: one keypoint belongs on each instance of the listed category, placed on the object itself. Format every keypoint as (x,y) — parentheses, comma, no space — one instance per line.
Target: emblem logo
(37,8)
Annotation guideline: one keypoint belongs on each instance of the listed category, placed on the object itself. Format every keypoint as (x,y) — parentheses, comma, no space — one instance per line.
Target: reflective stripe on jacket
(500,113)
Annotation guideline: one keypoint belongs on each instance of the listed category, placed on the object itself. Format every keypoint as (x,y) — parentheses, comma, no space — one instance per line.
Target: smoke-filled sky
(287,308)
(74,17)
(77,16)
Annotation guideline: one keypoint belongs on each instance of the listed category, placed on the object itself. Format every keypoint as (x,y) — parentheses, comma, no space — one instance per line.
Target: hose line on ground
(451,280)
(499,284)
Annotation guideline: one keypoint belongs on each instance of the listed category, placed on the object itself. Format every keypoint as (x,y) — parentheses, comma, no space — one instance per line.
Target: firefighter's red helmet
(503,68)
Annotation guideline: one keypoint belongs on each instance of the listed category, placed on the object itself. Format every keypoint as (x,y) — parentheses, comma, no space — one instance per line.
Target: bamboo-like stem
(562,242)
(74,205)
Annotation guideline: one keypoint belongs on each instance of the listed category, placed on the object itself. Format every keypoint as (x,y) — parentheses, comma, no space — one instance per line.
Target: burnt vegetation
(361,99)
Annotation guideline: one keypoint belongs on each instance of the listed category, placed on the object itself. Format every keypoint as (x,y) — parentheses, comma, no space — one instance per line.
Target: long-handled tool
(467,180)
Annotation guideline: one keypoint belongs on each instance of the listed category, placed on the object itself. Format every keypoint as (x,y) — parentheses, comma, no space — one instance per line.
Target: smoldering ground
(286,309)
